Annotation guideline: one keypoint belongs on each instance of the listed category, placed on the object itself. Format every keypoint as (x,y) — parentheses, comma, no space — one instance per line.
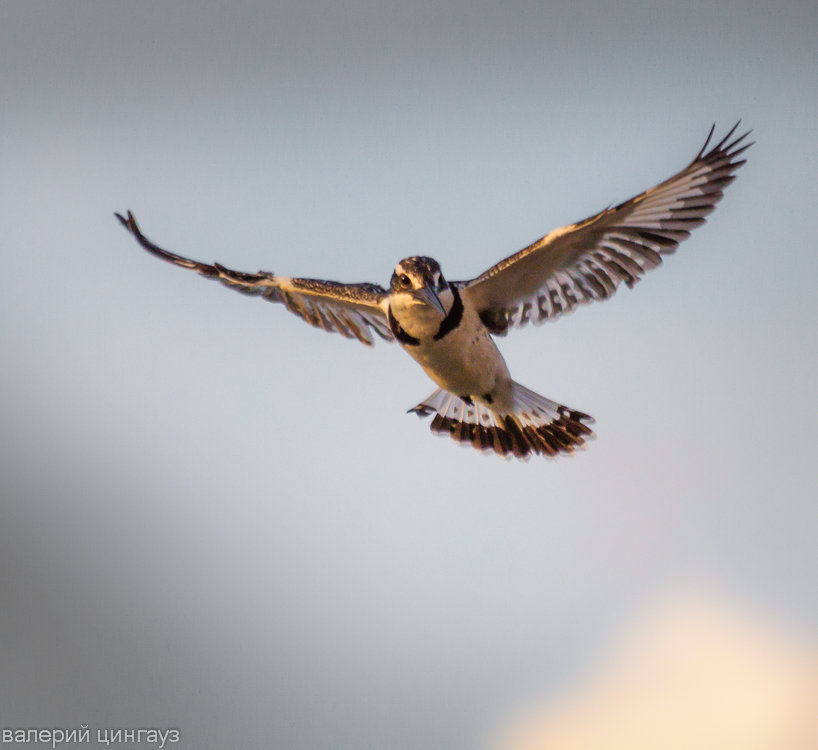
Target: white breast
(465,361)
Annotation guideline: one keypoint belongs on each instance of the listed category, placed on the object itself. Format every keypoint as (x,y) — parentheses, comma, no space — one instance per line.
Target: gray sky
(217,518)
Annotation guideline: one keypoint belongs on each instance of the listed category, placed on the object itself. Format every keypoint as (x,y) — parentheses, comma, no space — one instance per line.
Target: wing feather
(353,310)
(587,261)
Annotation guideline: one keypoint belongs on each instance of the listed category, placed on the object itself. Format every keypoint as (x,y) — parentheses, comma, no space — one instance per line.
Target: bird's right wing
(588,260)
(353,310)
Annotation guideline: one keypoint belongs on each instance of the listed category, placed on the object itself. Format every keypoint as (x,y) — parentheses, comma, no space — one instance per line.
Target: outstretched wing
(588,260)
(353,310)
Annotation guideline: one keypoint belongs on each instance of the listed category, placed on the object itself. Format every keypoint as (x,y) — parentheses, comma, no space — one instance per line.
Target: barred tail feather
(536,424)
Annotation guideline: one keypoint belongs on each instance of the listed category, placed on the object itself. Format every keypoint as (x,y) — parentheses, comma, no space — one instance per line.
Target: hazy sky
(217,518)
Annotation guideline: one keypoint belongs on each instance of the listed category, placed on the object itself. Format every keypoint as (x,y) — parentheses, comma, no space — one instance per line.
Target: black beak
(428,296)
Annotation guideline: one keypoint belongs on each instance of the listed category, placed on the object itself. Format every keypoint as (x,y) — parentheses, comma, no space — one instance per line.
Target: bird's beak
(428,296)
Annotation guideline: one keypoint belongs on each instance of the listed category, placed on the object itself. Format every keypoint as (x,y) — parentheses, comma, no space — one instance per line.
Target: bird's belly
(465,362)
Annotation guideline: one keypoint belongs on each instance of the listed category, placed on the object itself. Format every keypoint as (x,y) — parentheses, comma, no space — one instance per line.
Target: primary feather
(587,261)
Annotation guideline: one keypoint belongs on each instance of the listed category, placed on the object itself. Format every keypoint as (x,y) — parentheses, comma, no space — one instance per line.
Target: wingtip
(129,222)
(725,144)
(720,145)
(706,141)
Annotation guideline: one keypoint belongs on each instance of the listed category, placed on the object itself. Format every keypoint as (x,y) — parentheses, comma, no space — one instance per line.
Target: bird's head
(418,280)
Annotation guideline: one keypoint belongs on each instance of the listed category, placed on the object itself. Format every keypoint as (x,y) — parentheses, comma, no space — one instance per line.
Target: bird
(449,327)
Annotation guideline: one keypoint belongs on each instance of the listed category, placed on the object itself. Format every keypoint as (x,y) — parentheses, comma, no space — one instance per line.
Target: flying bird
(448,327)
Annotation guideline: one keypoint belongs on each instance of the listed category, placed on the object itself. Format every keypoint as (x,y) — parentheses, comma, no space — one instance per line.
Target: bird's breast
(465,360)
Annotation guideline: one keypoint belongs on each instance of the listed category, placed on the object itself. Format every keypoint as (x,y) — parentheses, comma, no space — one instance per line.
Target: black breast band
(398,332)
(452,320)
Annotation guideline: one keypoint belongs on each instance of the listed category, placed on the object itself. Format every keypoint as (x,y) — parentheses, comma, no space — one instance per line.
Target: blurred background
(216,518)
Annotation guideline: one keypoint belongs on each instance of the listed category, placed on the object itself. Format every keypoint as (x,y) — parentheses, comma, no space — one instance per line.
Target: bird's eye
(405,281)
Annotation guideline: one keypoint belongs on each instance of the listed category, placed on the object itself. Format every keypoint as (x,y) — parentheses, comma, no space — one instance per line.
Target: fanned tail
(536,424)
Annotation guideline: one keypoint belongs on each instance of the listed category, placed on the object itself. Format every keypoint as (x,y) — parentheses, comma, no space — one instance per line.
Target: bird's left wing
(353,310)
(588,260)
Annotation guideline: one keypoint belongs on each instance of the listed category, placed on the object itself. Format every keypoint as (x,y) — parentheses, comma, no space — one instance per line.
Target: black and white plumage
(447,327)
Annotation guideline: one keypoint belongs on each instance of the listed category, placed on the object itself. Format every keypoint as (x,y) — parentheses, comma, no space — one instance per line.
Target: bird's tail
(534,425)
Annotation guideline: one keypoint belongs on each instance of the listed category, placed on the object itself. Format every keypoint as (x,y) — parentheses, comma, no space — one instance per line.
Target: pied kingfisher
(447,326)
